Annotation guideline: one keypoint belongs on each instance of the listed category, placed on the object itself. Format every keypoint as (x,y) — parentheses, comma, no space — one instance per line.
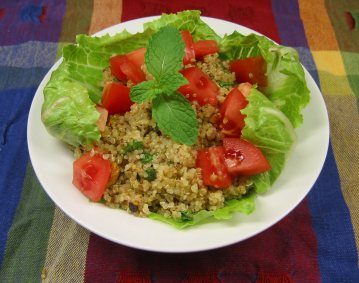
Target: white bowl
(52,162)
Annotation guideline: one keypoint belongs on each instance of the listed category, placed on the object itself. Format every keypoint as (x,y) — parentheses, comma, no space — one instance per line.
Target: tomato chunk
(116,98)
(137,57)
(232,118)
(243,158)
(128,67)
(252,70)
(91,174)
(115,66)
(205,47)
(102,120)
(189,55)
(200,88)
(214,172)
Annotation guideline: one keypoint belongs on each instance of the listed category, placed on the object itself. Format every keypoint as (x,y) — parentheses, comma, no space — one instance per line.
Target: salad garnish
(250,126)
(173,112)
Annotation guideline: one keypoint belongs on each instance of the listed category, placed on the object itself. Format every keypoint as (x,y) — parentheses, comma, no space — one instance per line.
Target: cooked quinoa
(153,173)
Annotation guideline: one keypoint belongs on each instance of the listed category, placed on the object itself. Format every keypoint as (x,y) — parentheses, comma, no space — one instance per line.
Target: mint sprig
(175,118)
(173,113)
(165,52)
(145,91)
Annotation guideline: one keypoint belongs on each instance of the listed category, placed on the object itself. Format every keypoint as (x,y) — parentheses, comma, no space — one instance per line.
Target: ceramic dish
(52,162)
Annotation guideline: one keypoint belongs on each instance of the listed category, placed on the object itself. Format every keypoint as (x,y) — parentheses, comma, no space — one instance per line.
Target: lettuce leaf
(185,221)
(245,205)
(270,130)
(186,20)
(87,59)
(287,87)
(67,112)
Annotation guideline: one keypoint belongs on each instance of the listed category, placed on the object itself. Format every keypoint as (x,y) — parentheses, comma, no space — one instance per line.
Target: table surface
(38,242)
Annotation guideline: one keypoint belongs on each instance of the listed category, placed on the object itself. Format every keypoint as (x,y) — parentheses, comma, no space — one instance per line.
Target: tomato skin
(189,55)
(137,57)
(252,70)
(205,47)
(115,66)
(243,158)
(128,67)
(91,174)
(200,88)
(232,118)
(116,98)
(214,172)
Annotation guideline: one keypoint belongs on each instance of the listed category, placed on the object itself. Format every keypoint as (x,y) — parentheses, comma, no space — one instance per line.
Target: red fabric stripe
(2,13)
(256,15)
(285,251)
(273,277)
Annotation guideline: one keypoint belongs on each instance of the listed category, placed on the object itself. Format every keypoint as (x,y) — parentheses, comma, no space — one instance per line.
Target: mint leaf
(175,117)
(165,52)
(173,113)
(145,91)
(172,82)
(149,89)
(163,60)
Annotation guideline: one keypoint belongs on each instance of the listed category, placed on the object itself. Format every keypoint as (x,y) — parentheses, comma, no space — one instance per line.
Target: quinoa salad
(176,123)
(178,186)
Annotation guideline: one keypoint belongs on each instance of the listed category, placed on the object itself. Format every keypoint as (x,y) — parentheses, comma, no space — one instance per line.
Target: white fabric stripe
(66,252)
(29,55)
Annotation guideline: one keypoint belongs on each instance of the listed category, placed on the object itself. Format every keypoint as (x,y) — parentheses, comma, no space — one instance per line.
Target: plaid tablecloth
(317,242)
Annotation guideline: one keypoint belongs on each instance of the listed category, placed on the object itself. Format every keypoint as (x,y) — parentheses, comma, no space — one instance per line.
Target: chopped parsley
(225,84)
(147,157)
(151,174)
(135,145)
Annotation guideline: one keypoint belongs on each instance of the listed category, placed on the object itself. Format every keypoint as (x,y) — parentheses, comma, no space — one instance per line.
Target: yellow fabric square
(329,61)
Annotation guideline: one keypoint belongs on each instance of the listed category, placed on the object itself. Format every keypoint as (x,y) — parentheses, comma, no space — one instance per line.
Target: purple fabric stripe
(31,20)
(290,26)
(291,32)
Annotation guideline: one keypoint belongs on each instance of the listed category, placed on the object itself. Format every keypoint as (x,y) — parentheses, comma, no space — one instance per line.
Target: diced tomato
(101,121)
(205,47)
(243,158)
(137,57)
(213,169)
(232,118)
(200,88)
(115,66)
(252,70)
(91,174)
(116,98)
(189,56)
(128,67)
